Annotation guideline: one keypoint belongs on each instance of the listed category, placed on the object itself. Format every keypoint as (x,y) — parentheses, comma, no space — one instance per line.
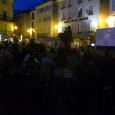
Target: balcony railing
(5,32)
(42,35)
(6,18)
(80,1)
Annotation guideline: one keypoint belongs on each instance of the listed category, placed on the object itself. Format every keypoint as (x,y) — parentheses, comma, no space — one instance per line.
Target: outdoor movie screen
(105,37)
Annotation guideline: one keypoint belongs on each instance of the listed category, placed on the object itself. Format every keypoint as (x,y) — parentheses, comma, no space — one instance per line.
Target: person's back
(32,64)
(46,63)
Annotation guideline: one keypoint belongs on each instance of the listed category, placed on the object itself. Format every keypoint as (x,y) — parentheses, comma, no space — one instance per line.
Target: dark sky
(25,4)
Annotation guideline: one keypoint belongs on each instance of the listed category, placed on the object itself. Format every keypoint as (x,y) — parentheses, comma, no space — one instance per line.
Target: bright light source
(5,39)
(15,27)
(95,24)
(21,38)
(11,39)
(60,26)
(30,30)
(56,27)
(111,21)
(0,37)
(93,44)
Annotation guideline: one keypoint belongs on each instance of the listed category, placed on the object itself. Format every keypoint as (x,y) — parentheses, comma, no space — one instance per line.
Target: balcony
(80,1)
(89,12)
(59,0)
(5,32)
(6,18)
(43,35)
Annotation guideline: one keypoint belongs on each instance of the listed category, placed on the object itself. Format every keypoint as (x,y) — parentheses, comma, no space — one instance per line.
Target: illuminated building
(44,20)
(111,18)
(22,22)
(84,17)
(6,18)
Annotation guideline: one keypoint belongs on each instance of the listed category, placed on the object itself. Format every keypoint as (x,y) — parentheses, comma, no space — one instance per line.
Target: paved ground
(22,96)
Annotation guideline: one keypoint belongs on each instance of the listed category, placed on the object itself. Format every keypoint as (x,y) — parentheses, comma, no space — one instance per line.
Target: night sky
(25,4)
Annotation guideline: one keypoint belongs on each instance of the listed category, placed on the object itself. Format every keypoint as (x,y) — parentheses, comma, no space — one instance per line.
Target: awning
(48,39)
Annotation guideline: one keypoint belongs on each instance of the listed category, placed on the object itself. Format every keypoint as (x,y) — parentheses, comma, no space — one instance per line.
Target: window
(40,20)
(79,12)
(33,16)
(69,3)
(91,9)
(38,11)
(5,28)
(113,5)
(69,14)
(48,18)
(44,30)
(41,31)
(63,5)
(44,19)
(79,27)
(33,25)
(4,2)
(104,1)
(4,14)
(48,30)
(44,9)
(63,15)
(90,26)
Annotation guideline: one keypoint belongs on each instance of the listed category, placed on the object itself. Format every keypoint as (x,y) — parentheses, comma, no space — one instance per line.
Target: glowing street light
(111,21)
(30,31)
(15,27)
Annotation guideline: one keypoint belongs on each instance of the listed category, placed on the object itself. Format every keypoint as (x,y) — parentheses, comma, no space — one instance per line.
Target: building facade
(84,17)
(22,25)
(6,18)
(111,18)
(44,20)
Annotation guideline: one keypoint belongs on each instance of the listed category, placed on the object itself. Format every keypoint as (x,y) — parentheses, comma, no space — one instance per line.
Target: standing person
(32,63)
(47,63)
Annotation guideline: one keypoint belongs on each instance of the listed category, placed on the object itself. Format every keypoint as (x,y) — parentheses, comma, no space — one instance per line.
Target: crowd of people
(81,77)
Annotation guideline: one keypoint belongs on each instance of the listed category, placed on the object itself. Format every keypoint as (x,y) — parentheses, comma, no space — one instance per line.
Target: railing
(43,35)
(4,32)
(80,1)
(6,18)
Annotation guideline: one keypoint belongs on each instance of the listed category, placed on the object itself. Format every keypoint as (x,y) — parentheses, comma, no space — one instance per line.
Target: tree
(66,36)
